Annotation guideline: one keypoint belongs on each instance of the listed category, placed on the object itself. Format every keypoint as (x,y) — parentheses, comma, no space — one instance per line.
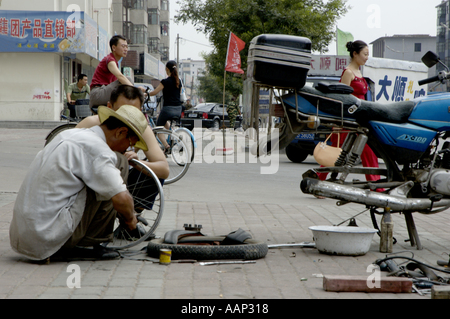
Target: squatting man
(74,188)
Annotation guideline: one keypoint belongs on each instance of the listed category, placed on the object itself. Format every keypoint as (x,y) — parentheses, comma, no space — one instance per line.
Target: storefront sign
(151,66)
(48,31)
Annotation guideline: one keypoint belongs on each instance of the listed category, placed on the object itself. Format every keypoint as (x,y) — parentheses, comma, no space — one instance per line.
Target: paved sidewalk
(222,198)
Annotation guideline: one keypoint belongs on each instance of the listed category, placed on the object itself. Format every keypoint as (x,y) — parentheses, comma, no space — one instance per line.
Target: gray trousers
(97,223)
(102,94)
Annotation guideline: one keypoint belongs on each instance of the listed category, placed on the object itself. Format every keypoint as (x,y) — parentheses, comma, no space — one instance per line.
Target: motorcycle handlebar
(429,80)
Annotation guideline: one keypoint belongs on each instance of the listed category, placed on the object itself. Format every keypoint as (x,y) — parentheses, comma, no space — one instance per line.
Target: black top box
(279,60)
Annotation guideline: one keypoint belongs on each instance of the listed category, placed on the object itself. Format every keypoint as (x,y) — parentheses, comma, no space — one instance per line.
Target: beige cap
(130,116)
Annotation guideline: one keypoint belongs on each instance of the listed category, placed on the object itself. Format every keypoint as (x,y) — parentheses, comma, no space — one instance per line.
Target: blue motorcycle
(409,136)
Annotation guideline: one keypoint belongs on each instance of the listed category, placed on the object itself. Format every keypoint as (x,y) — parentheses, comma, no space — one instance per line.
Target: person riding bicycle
(77,91)
(107,75)
(75,188)
(130,95)
(172,106)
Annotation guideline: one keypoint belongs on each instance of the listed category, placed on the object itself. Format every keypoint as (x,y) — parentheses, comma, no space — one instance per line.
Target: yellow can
(165,256)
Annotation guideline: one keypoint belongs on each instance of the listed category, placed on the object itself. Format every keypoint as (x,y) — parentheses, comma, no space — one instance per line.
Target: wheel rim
(148,197)
(179,157)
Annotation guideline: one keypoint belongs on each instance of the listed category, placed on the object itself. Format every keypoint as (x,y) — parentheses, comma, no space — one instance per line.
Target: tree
(314,19)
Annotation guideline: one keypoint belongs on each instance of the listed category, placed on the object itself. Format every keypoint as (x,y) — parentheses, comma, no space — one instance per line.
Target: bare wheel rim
(148,196)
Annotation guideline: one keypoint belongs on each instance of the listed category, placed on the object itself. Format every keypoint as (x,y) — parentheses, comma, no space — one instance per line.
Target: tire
(295,154)
(216,125)
(188,139)
(251,249)
(179,159)
(58,130)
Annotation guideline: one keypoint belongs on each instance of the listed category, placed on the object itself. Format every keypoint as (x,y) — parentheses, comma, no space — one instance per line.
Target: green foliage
(314,19)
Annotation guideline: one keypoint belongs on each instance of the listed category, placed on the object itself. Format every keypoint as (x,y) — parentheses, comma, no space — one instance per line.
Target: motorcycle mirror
(430,59)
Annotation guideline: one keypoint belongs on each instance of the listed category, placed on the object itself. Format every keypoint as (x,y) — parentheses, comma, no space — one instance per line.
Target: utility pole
(178,52)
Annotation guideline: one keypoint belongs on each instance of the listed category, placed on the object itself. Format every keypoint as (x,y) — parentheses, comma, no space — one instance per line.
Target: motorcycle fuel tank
(432,111)
(406,141)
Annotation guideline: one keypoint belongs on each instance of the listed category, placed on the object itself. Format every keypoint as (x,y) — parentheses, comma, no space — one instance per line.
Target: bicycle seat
(175,119)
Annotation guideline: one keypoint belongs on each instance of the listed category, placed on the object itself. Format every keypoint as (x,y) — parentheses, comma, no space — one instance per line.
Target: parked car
(210,114)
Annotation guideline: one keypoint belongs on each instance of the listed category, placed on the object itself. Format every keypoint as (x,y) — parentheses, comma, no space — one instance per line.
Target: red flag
(233,61)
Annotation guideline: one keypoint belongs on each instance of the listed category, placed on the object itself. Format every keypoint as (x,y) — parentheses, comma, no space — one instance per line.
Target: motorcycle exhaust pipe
(367,197)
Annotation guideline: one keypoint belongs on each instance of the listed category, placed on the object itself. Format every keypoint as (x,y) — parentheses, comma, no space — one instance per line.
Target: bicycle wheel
(148,196)
(179,156)
(58,130)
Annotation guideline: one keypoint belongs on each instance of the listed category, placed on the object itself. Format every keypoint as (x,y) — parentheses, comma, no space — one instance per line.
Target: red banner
(233,61)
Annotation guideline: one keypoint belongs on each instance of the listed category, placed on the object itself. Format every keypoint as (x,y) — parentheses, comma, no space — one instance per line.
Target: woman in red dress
(359,52)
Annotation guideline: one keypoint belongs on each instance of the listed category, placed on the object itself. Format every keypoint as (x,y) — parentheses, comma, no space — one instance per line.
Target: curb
(30,124)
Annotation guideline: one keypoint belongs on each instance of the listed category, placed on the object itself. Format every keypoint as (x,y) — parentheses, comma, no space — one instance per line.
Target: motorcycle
(409,136)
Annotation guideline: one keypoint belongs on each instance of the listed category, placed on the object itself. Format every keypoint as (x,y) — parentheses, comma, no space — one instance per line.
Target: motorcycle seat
(331,104)
(395,112)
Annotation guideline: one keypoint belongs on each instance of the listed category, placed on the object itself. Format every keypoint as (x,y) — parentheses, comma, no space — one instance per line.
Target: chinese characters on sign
(37,31)
(390,84)
(328,65)
(401,85)
(45,96)
(49,31)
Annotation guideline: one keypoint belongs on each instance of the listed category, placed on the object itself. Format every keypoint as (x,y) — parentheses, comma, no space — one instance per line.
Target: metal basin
(343,240)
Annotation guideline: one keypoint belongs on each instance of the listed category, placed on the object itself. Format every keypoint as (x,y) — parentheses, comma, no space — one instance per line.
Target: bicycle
(181,141)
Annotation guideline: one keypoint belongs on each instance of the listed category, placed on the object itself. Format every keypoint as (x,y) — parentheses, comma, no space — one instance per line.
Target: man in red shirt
(107,75)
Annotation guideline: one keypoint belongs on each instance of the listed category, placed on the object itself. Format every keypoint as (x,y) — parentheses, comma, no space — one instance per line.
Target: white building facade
(43,47)
(46,44)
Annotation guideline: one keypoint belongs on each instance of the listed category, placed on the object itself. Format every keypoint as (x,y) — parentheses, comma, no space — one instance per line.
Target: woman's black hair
(172,66)
(355,46)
